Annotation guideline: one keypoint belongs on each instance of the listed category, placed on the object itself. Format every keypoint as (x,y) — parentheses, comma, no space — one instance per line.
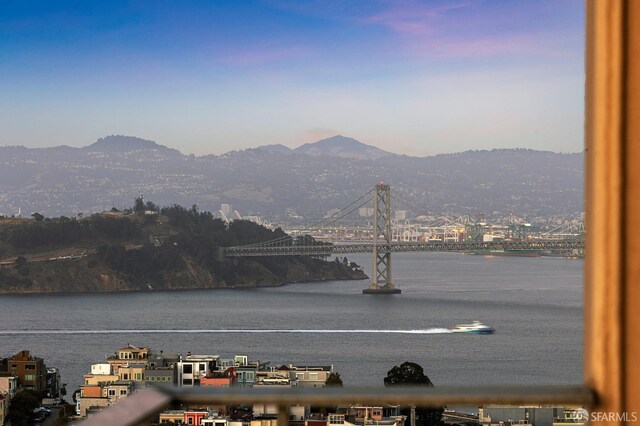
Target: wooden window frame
(612,155)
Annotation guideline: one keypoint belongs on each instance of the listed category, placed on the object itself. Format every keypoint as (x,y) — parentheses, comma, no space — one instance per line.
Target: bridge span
(327,249)
(382,244)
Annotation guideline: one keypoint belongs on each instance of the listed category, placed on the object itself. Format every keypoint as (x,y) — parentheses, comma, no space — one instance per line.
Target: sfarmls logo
(604,416)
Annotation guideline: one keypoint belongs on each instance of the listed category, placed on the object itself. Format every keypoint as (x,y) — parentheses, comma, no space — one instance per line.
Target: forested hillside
(174,248)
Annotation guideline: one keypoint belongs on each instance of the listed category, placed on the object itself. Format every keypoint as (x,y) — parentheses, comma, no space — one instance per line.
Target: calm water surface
(534,303)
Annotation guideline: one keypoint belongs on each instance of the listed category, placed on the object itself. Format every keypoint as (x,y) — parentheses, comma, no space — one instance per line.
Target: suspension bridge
(382,244)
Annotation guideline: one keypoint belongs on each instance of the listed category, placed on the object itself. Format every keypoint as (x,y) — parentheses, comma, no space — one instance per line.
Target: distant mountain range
(336,146)
(280,182)
(118,144)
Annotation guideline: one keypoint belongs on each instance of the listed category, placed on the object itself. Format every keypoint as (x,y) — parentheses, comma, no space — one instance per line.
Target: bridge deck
(329,249)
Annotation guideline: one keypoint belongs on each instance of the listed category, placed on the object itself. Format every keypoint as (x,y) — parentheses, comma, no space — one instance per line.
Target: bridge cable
(315,225)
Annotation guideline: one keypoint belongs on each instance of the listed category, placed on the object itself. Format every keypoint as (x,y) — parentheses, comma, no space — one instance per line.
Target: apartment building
(8,385)
(192,368)
(159,376)
(4,407)
(132,372)
(307,375)
(217,379)
(96,396)
(29,370)
(100,373)
(129,355)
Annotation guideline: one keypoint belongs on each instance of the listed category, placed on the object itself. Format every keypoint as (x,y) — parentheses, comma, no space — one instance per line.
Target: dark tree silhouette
(22,406)
(333,379)
(408,373)
(412,374)
(151,206)
(138,206)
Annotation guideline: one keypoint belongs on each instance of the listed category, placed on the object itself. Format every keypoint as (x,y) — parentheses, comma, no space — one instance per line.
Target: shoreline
(172,290)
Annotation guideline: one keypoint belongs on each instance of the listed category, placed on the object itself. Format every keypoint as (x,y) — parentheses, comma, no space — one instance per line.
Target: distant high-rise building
(331,213)
(365,212)
(401,215)
(227,209)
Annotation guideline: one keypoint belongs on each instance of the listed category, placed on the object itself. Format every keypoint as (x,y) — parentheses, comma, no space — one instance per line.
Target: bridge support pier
(382,283)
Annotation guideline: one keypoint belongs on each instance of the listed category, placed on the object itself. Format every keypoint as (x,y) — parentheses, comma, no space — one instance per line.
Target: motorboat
(476,327)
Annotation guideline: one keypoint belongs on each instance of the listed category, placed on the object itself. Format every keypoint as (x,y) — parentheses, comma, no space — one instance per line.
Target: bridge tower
(381,282)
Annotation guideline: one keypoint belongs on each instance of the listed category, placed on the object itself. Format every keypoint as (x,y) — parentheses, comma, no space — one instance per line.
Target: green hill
(143,250)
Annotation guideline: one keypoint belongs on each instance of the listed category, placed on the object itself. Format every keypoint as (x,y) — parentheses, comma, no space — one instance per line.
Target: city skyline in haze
(410,77)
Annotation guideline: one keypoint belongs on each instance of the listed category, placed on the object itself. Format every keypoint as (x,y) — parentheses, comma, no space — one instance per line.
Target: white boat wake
(214,331)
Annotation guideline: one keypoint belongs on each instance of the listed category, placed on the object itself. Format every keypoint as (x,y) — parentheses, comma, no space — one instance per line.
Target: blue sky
(412,77)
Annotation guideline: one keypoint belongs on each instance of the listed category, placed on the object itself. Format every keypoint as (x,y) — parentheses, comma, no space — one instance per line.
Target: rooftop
(201,358)
(134,348)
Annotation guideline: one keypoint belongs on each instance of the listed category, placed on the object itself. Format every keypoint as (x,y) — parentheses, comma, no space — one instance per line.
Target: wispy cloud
(411,18)
(530,45)
(464,29)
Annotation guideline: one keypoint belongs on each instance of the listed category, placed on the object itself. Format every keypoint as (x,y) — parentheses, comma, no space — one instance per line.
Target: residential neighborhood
(134,368)
(24,372)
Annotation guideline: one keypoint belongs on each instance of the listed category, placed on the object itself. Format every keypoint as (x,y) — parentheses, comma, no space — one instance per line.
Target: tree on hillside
(138,206)
(412,374)
(38,217)
(22,406)
(333,379)
(151,206)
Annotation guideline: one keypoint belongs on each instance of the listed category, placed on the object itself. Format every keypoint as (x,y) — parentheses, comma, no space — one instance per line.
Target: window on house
(336,420)
(187,369)
(111,392)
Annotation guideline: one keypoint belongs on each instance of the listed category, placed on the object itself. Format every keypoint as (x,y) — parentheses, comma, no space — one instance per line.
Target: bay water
(535,305)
